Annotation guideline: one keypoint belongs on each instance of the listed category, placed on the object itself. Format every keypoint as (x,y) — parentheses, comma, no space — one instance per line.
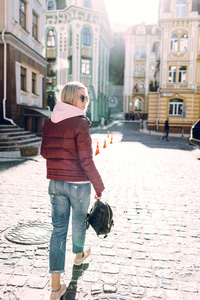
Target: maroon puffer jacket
(66,146)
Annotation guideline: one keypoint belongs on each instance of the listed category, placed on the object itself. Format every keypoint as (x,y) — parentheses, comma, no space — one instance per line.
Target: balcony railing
(140,56)
(138,91)
(139,74)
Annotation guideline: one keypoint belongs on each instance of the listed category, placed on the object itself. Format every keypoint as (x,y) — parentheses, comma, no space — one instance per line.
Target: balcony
(138,74)
(138,91)
(140,56)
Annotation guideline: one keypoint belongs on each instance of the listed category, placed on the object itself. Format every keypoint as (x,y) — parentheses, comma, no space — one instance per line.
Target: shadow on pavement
(77,272)
(131,133)
(10,164)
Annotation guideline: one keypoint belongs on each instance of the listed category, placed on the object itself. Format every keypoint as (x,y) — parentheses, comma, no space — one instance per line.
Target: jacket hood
(64,111)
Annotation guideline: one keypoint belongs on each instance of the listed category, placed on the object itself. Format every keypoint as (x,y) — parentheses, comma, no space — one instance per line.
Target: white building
(140,63)
(78,43)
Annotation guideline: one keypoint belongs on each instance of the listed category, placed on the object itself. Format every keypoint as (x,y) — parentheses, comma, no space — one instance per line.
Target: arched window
(51,38)
(180,9)
(174,43)
(87,3)
(51,5)
(86,37)
(138,105)
(175,107)
(184,43)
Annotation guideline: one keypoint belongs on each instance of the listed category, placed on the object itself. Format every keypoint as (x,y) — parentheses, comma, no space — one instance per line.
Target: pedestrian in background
(166,130)
(66,146)
(102,122)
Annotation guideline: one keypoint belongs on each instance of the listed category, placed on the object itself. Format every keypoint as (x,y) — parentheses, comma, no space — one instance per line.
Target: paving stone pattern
(153,251)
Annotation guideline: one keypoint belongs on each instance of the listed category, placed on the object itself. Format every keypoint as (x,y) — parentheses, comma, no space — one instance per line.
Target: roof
(148,28)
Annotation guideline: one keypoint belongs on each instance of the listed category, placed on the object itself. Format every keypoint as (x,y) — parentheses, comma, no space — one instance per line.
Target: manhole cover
(110,297)
(31,233)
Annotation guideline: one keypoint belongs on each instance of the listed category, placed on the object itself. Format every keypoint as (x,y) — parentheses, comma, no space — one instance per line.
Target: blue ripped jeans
(65,197)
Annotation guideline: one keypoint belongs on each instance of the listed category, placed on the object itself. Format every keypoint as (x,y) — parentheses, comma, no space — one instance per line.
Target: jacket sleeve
(42,151)
(84,148)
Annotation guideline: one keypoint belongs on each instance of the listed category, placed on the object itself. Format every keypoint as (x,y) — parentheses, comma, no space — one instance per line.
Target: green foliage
(117,57)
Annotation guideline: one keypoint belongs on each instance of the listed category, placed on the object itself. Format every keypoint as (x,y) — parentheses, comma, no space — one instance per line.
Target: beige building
(177,76)
(140,62)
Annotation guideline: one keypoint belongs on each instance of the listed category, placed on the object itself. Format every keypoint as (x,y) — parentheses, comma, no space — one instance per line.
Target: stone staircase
(12,138)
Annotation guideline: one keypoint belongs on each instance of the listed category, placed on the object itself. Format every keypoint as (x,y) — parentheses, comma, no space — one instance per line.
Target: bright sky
(130,12)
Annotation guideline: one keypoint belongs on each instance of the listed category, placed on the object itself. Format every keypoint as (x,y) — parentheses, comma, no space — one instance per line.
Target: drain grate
(31,233)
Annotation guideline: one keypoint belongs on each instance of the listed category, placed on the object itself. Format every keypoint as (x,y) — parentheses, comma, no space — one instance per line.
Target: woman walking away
(66,146)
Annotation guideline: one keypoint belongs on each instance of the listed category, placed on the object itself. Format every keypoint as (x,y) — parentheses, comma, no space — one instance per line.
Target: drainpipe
(192,114)
(5,67)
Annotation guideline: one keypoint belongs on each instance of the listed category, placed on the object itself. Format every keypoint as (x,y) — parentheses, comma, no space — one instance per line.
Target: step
(16,137)
(19,142)
(17,148)
(7,130)
(14,133)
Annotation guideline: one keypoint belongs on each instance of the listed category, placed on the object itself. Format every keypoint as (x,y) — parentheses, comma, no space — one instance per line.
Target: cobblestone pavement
(153,251)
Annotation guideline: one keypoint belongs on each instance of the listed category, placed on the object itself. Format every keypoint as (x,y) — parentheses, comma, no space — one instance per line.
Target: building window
(183,74)
(140,31)
(22,14)
(180,9)
(172,74)
(174,43)
(142,68)
(86,37)
(51,5)
(85,66)
(138,105)
(142,84)
(175,107)
(70,65)
(137,52)
(87,3)
(152,68)
(184,43)
(51,68)
(23,79)
(33,83)
(143,52)
(51,38)
(34,26)
(136,67)
(70,37)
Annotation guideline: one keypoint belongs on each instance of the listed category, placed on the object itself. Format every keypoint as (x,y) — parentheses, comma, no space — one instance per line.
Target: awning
(44,112)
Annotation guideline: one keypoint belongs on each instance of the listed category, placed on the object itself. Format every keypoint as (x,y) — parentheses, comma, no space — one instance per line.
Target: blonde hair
(69,92)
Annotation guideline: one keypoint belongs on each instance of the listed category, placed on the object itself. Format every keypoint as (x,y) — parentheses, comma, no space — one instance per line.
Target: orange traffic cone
(108,134)
(104,144)
(97,150)
(111,141)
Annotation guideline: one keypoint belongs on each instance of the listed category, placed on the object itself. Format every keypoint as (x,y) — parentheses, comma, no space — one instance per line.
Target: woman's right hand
(97,198)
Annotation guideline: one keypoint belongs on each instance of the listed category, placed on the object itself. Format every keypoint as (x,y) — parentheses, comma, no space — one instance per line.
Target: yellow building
(177,76)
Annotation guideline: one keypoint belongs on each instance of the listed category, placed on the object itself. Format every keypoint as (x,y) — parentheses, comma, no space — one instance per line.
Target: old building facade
(140,62)
(176,93)
(22,64)
(78,43)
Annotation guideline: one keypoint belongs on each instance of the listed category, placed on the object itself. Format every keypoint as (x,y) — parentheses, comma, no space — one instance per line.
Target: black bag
(100,218)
